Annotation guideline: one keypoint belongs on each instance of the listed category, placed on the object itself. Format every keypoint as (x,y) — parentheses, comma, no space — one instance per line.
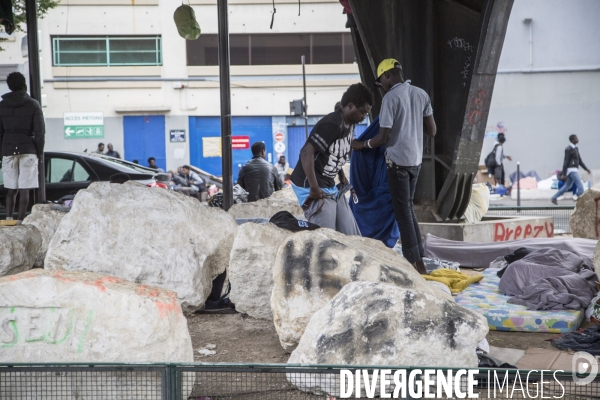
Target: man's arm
(566,162)
(240,180)
(39,129)
(377,141)
(1,134)
(582,164)
(342,176)
(307,155)
(277,182)
(430,128)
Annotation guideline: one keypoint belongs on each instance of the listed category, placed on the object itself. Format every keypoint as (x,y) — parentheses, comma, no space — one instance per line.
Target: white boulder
(145,235)
(312,267)
(79,316)
(381,324)
(46,220)
(585,220)
(251,267)
(284,194)
(19,246)
(65,317)
(265,208)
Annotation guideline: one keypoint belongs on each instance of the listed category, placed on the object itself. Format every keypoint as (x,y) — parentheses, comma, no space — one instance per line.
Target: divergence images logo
(584,363)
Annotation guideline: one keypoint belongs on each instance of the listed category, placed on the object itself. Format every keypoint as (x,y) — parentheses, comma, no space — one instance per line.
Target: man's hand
(509,158)
(356,145)
(315,193)
(588,171)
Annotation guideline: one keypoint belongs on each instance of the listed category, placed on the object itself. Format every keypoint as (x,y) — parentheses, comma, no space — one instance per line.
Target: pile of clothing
(548,279)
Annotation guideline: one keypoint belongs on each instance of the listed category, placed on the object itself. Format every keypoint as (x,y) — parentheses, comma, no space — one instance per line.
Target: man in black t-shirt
(326,151)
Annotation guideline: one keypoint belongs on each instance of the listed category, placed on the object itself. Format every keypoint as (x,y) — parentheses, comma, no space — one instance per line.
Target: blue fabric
(374,212)
(302,193)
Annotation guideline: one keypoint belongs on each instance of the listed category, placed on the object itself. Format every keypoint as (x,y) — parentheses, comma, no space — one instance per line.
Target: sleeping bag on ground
(374,212)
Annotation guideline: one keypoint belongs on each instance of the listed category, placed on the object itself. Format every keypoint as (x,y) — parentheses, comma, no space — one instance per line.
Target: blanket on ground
(477,255)
(550,279)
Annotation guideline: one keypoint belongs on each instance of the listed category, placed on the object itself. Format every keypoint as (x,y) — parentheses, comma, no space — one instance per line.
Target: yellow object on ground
(456,281)
(8,222)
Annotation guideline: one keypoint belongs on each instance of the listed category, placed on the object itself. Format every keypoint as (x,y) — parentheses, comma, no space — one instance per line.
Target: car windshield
(126,164)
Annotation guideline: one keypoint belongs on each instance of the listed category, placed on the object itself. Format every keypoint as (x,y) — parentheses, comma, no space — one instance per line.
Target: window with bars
(274,49)
(104,51)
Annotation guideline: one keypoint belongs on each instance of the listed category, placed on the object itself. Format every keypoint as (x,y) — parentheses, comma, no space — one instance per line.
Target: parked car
(67,173)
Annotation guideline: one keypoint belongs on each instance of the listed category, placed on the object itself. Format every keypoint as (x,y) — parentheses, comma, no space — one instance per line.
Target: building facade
(118,72)
(548,85)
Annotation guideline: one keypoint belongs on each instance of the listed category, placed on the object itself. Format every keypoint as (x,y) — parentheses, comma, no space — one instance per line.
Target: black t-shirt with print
(331,140)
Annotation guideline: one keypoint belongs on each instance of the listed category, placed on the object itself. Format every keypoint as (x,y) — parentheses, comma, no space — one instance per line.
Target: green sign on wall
(83,125)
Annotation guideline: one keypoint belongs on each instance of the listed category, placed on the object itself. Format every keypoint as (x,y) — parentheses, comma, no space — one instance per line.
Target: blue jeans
(572,179)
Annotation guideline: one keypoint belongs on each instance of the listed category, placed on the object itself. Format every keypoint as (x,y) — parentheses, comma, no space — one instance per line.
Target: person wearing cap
(405,115)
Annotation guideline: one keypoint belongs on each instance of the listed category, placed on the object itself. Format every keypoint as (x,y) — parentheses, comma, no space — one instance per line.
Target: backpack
(490,160)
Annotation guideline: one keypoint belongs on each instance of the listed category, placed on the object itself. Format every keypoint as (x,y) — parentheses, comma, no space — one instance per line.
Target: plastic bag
(592,313)
(185,21)
(479,203)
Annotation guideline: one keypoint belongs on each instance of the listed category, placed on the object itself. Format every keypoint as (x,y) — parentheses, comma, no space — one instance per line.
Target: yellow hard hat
(386,65)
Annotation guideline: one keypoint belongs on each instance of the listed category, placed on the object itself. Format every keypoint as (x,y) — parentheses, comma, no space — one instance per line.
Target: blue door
(145,138)
(205,134)
(296,140)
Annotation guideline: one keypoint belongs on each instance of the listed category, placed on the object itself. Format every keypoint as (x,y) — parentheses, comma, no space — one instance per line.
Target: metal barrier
(268,382)
(561,214)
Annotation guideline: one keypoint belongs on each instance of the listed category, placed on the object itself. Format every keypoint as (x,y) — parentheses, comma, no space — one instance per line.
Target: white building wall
(545,98)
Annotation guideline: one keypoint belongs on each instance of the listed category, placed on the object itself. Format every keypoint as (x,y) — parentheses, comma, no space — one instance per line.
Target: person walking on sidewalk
(404,111)
(22,136)
(570,169)
(324,154)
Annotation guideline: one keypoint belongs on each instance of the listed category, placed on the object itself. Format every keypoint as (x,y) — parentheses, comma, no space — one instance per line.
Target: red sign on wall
(279,137)
(240,142)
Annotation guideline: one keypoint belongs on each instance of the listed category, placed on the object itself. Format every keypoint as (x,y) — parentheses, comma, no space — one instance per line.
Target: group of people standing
(406,115)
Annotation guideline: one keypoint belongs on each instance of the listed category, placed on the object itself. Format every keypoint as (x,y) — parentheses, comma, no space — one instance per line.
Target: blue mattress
(485,298)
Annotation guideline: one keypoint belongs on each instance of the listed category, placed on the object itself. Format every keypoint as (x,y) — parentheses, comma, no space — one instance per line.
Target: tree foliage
(19,12)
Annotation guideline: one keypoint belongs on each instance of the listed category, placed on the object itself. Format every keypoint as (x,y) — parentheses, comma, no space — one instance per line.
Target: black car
(67,173)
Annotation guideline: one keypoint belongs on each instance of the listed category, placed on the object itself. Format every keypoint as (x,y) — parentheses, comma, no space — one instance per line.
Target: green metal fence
(266,382)
(561,214)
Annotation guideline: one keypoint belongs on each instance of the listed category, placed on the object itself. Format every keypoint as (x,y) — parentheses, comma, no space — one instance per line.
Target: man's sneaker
(575,197)
(554,201)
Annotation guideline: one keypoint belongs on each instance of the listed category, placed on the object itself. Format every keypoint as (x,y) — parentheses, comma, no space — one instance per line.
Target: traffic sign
(240,142)
(83,125)
(279,137)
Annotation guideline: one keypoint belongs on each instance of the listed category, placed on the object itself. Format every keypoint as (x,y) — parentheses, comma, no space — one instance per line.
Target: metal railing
(262,381)
(561,214)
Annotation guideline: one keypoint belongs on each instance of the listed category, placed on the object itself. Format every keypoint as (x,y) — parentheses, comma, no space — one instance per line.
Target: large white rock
(19,246)
(287,194)
(381,324)
(63,317)
(251,267)
(46,220)
(145,235)
(265,208)
(585,221)
(312,267)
